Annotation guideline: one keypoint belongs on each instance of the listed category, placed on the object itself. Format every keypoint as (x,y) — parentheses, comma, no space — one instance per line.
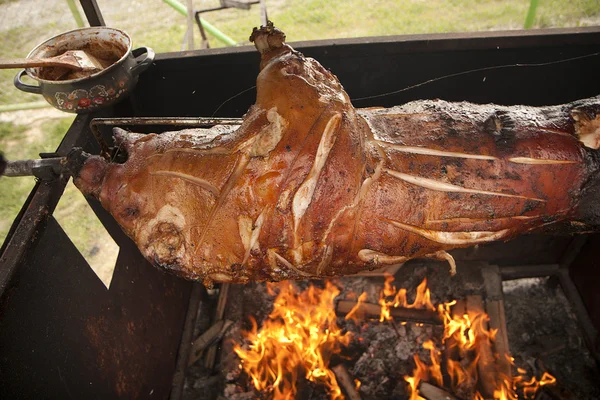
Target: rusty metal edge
(187,338)
(37,210)
(528,271)
(39,206)
(572,251)
(433,41)
(561,272)
(590,333)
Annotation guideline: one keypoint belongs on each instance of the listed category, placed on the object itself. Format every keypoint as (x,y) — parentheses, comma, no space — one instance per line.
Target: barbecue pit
(63,333)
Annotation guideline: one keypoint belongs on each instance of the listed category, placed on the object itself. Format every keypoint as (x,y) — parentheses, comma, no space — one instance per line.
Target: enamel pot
(81,93)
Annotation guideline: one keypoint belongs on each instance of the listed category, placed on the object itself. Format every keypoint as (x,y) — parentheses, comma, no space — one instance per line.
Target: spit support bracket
(180,122)
(48,168)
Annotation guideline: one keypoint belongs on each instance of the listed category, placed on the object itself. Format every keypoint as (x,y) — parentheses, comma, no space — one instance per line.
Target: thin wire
(231,98)
(475,70)
(437,79)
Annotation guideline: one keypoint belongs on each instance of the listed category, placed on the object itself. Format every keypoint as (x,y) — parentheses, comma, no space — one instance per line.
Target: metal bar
(204,44)
(76,14)
(533,4)
(190,25)
(92,12)
(528,271)
(104,149)
(590,333)
(180,8)
(264,17)
(38,208)
(29,167)
(573,251)
(197,122)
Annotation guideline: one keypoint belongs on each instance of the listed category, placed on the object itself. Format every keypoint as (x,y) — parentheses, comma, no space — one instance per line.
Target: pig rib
(204,184)
(448,187)
(433,152)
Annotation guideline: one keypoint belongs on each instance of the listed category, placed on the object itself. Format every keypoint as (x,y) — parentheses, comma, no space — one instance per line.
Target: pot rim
(96,74)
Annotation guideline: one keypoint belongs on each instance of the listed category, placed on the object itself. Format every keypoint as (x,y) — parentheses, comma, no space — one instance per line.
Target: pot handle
(25,87)
(142,63)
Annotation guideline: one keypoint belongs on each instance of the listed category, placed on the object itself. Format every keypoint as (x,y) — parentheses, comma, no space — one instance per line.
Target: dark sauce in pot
(105,53)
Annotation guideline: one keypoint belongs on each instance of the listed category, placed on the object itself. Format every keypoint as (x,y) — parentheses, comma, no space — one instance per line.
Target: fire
(469,361)
(299,336)
(391,297)
(352,314)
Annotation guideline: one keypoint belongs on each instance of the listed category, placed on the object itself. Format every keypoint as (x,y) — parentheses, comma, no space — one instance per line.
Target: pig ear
(125,139)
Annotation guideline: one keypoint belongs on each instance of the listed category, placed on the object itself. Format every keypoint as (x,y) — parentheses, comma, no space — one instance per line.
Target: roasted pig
(308,186)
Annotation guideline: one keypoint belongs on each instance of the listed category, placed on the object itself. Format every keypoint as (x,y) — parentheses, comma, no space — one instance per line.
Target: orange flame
(399,299)
(299,336)
(468,343)
(352,314)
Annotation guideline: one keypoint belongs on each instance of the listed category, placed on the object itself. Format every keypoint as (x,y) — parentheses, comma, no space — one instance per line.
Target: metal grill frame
(57,326)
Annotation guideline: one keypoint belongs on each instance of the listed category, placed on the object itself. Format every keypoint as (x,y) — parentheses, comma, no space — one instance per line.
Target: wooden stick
(211,353)
(495,310)
(494,306)
(431,392)
(371,310)
(486,364)
(207,339)
(346,382)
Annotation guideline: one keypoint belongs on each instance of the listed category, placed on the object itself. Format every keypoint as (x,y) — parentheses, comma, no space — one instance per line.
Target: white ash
(544,335)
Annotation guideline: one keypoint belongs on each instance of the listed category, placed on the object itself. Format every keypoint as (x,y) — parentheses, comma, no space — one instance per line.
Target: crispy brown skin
(310,187)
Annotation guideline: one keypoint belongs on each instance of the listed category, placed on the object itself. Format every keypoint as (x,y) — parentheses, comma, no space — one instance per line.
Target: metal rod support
(49,166)
(192,122)
(197,122)
(180,8)
(92,12)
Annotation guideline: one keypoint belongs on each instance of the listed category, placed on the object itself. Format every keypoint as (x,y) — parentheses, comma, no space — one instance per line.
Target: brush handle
(8,63)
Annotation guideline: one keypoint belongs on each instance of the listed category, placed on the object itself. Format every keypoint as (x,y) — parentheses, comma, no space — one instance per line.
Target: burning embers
(301,335)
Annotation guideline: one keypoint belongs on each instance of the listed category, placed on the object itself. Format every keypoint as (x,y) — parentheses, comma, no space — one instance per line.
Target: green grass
(320,19)
(17,43)
(72,212)
(10,131)
(313,19)
(19,142)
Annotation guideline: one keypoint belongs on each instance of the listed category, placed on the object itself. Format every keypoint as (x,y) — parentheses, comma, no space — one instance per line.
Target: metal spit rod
(27,167)
(49,168)
(45,168)
(191,122)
